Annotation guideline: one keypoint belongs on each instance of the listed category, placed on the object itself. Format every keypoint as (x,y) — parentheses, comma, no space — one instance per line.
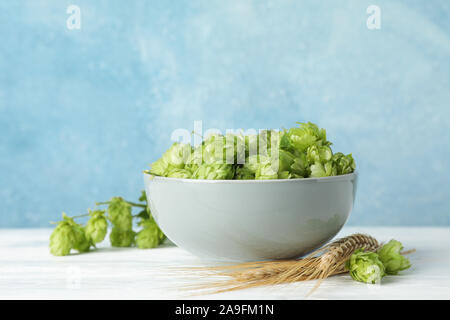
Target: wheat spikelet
(320,264)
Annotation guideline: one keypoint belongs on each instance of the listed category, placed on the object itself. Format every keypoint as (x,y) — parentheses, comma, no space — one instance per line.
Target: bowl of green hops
(278,194)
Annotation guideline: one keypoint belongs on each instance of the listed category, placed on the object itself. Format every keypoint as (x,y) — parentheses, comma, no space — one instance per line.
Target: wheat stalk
(319,265)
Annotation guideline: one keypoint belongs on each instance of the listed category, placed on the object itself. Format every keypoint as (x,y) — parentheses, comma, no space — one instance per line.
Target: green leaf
(143,197)
(144,214)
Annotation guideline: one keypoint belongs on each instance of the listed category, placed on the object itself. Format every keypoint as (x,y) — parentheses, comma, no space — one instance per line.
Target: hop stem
(133,204)
(140,205)
(80,216)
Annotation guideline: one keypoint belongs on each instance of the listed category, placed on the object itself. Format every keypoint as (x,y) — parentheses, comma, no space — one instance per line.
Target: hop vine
(116,214)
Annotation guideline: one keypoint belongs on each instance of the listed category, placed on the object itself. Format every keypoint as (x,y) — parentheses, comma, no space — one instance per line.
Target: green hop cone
(68,235)
(288,175)
(159,167)
(176,157)
(285,142)
(239,148)
(286,160)
(344,163)
(179,173)
(119,213)
(365,266)
(252,163)
(62,238)
(178,154)
(251,145)
(264,141)
(262,168)
(217,149)
(320,160)
(266,171)
(299,166)
(82,243)
(150,236)
(243,173)
(303,152)
(320,154)
(308,134)
(214,172)
(97,226)
(323,170)
(121,238)
(390,255)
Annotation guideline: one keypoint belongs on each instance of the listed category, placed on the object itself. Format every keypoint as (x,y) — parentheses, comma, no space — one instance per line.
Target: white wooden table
(28,271)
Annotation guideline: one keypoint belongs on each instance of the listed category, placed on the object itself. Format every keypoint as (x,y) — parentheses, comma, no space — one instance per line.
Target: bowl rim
(348,176)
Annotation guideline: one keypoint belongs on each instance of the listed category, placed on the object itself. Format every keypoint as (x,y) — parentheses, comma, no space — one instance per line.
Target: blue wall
(83,112)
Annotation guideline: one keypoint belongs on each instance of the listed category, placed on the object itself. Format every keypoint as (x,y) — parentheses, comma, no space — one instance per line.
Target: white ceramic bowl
(244,220)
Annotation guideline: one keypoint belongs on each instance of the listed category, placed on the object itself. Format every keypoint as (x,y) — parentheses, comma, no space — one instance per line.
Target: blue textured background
(83,112)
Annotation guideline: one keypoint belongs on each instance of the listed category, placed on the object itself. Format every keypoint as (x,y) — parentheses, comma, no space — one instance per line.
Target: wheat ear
(320,264)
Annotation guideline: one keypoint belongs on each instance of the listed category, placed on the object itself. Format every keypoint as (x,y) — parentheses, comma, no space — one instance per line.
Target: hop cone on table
(121,238)
(150,236)
(97,226)
(119,213)
(62,238)
(68,235)
(390,255)
(365,266)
